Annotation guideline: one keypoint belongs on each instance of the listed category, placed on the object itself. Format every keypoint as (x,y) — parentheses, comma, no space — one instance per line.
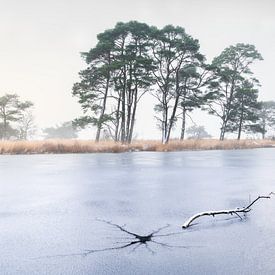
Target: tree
(26,126)
(65,130)
(197,132)
(194,77)
(266,114)
(232,69)
(11,111)
(93,89)
(174,52)
(245,106)
(118,72)
(134,74)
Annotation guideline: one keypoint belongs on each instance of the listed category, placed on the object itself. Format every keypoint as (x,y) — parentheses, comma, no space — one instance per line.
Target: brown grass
(84,146)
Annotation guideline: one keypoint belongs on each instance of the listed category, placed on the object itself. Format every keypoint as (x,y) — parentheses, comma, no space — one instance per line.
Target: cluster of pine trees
(133,59)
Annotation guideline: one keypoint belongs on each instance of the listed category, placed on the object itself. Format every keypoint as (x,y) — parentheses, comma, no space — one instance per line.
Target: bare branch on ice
(235,211)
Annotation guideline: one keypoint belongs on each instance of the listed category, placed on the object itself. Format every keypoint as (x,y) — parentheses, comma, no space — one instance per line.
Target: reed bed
(84,146)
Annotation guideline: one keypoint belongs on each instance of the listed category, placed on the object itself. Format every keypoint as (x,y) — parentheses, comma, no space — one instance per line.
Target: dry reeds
(84,146)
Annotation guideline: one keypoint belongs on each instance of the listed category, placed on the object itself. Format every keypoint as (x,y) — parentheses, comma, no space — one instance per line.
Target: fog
(41,41)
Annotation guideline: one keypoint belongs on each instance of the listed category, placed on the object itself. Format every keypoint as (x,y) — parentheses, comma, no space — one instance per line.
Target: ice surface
(51,207)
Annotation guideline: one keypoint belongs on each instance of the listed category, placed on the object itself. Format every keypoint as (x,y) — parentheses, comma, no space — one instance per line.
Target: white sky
(40,42)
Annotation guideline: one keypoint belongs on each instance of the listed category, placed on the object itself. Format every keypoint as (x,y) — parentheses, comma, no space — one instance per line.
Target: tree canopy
(131,60)
(233,79)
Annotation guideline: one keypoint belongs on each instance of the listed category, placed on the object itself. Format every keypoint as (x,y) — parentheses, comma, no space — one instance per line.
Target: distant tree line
(134,59)
(64,130)
(17,121)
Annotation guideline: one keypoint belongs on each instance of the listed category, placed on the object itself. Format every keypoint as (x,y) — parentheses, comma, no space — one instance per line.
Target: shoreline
(63,146)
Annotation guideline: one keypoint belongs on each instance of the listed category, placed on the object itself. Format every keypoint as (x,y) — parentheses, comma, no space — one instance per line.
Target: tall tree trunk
(117,119)
(227,111)
(173,115)
(133,118)
(164,119)
(183,124)
(240,129)
(241,120)
(222,133)
(123,94)
(129,103)
(165,105)
(99,126)
(123,108)
(172,119)
(128,121)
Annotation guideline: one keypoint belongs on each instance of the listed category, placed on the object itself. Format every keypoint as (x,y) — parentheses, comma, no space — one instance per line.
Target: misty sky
(40,42)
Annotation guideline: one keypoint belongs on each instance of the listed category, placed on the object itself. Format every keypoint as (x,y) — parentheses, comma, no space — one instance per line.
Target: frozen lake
(55,209)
